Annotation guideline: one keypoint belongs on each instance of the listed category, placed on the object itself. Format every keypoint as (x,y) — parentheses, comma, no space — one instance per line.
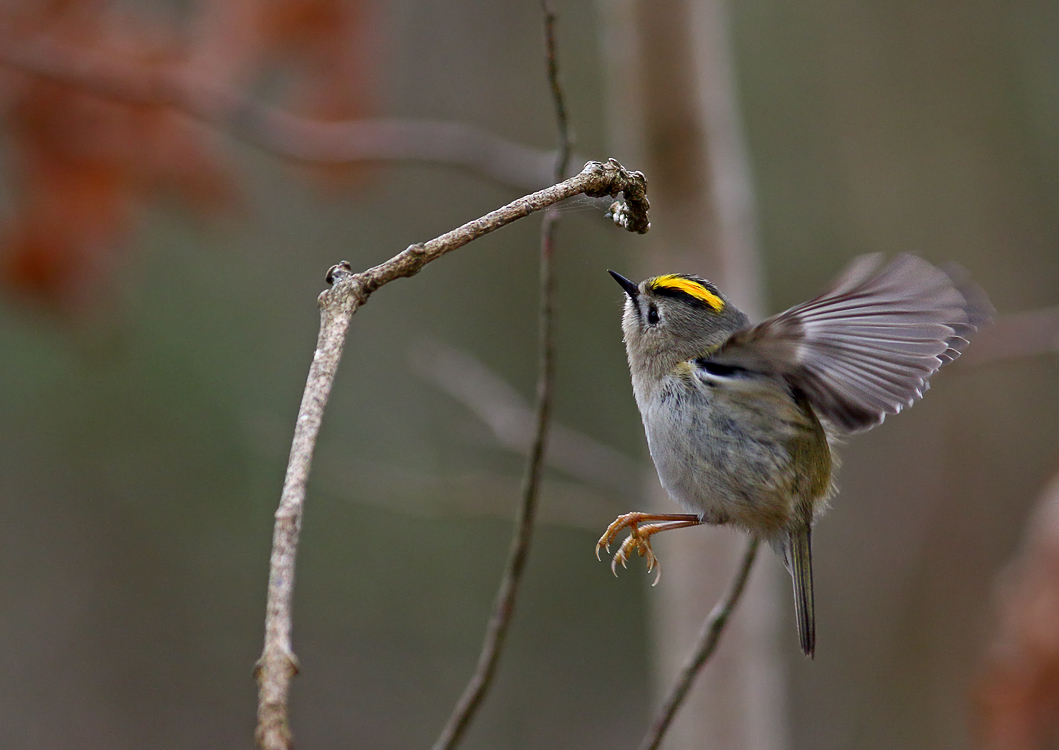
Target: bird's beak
(630,288)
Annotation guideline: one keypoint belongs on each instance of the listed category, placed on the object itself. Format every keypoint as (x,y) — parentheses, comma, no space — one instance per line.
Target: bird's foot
(640,534)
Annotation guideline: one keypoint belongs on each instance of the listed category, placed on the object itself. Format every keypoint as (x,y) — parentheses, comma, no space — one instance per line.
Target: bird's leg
(642,526)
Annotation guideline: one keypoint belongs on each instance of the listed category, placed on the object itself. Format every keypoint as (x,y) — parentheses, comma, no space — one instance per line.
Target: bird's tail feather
(800,562)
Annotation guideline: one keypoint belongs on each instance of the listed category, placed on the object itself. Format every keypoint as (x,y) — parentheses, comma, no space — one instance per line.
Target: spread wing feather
(866,347)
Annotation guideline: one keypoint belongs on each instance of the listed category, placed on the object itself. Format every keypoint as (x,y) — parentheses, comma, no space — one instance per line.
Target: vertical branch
(278,665)
(562,159)
(504,608)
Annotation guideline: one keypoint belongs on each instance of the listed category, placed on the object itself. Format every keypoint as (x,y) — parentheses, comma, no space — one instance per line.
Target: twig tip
(338,271)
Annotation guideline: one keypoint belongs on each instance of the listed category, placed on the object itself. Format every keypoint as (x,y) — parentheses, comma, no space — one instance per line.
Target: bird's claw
(642,545)
(624,521)
(636,541)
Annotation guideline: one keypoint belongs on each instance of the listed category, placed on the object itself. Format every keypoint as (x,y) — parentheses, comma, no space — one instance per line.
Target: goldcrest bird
(742,419)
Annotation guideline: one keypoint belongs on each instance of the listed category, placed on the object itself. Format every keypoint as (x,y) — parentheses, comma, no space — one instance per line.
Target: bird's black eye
(652,315)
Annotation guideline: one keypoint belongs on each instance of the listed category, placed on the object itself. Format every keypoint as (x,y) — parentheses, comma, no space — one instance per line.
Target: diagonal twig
(510,419)
(706,644)
(504,607)
(277,665)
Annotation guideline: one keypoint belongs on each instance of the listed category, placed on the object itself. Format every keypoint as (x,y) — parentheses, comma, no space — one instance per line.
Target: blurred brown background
(158,318)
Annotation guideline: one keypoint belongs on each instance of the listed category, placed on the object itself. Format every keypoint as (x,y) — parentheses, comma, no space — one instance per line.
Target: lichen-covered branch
(596,180)
(349,291)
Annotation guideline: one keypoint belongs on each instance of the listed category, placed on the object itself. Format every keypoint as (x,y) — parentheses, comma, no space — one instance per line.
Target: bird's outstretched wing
(866,347)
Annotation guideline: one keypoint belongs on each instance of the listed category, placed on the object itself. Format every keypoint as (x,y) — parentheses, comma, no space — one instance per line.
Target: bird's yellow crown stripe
(690,287)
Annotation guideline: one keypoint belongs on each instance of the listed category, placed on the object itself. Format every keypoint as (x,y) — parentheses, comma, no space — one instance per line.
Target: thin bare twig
(707,642)
(510,418)
(279,132)
(469,494)
(504,607)
(348,293)
(562,159)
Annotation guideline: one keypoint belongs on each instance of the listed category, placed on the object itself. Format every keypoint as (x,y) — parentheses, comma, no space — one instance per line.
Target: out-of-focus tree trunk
(674,115)
(1017,694)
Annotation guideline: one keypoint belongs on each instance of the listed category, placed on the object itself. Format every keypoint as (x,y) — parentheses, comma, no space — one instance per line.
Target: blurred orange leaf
(83,165)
